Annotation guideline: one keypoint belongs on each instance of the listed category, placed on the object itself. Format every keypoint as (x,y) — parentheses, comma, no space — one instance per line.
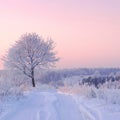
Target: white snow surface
(44,106)
(97,109)
(52,105)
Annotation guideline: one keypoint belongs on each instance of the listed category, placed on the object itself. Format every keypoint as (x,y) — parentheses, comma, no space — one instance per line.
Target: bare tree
(29,53)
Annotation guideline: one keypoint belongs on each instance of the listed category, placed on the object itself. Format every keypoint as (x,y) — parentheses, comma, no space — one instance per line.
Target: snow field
(44,106)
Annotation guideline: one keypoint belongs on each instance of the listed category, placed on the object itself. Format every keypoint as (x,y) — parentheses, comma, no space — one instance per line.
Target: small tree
(29,53)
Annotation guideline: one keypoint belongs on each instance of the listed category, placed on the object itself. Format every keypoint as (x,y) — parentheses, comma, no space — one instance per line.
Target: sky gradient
(86,32)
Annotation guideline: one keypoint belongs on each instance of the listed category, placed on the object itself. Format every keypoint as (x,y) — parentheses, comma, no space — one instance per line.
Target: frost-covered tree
(29,53)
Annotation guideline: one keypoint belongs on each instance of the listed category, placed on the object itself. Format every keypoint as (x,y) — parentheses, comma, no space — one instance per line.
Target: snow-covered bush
(11,84)
(109,95)
(87,91)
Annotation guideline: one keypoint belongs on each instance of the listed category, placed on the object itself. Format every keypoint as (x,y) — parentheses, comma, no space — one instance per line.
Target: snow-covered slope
(44,106)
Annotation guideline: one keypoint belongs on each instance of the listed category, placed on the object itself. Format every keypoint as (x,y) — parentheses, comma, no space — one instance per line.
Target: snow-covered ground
(97,109)
(51,105)
(44,106)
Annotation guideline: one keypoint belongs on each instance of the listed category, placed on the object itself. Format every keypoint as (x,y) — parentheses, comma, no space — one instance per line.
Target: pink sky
(86,32)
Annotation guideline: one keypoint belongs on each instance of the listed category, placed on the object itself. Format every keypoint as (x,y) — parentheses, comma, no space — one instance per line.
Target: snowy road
(45,106)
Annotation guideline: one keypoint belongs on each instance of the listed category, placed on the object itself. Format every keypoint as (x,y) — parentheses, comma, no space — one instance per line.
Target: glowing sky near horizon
(86,32)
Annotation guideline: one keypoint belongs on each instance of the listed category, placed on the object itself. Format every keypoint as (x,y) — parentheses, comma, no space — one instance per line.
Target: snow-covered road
(45,106)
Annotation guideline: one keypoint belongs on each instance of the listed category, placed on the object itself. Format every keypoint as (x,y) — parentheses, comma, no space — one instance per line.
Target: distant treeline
(97,81)
(57,75)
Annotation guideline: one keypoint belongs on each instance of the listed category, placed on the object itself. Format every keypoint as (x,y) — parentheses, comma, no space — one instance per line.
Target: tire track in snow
(87,112)
(47,112)
(45,106)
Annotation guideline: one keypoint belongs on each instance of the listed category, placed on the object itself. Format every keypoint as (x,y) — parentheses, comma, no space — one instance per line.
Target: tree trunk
(33,80)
